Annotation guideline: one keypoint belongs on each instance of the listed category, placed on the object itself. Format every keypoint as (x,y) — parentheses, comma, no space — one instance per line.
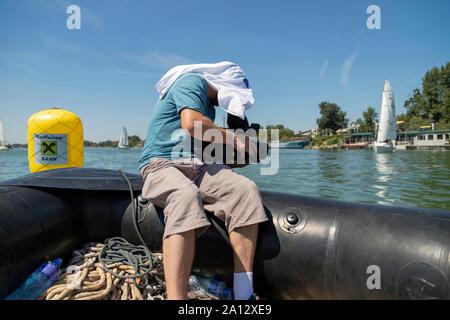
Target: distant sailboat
(123,141)
(3,144)
(387,130)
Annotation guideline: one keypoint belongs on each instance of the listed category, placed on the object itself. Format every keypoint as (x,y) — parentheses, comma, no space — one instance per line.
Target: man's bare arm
(188,119)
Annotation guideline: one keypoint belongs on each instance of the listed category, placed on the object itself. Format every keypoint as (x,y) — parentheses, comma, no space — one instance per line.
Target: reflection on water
(385,173)
(405,178)
(402,178)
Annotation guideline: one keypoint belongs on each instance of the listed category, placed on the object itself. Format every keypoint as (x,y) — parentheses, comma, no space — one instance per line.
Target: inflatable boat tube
(311,248)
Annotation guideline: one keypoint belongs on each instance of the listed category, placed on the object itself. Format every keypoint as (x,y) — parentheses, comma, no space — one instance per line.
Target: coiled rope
(110,270)
(118,250)
(115,270)
(87,279)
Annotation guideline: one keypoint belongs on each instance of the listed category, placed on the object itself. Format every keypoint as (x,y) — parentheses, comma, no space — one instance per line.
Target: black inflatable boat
(311,248)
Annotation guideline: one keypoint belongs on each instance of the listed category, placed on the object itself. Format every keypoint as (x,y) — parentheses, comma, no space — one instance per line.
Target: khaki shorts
(187,187)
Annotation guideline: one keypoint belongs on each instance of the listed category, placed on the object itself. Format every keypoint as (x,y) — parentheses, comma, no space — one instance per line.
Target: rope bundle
(116,270)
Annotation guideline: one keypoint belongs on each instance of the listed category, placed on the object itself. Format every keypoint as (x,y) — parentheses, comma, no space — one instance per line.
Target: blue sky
(295,54)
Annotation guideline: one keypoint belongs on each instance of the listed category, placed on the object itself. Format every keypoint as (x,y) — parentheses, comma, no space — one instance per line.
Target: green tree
(433,101)
(402,117)
(361,125)
(284,133)
(89,143)
(108,144)
(135,141)
(413,122)
(370,117)
(333,118)
(368,124)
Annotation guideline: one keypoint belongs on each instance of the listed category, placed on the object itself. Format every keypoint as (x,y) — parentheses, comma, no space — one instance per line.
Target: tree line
(429,104)
(283,133)
(426,105)
(133,142)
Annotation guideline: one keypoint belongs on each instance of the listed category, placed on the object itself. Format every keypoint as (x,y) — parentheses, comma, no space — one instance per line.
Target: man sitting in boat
(186,187)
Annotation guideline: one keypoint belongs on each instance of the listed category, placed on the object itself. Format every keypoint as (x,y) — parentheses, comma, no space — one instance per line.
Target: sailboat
(3,144)
(387,130)
(123,141)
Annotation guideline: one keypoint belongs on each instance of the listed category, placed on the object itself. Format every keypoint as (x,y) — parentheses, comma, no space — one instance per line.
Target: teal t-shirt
(164,131)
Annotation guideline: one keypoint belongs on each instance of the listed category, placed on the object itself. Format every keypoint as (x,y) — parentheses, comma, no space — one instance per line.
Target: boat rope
(114,264)
(129,278)
(118,250)
(134,205)
(115,270)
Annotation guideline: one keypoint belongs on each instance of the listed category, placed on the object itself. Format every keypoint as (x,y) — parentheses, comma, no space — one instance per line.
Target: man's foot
(254,296)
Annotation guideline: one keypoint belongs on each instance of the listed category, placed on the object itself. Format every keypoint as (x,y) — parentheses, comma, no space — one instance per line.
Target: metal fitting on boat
(292,220)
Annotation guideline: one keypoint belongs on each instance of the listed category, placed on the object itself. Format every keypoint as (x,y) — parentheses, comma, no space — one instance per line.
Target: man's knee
(184,212)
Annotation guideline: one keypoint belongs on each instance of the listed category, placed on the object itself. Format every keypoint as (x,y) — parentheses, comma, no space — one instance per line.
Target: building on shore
(424,139)
(305,135)
(358,140)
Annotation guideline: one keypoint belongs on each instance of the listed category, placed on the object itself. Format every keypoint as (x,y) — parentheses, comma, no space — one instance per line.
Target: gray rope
(119,250)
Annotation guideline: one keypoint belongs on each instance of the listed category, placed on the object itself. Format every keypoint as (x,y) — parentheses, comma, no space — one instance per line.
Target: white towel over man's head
(233,89)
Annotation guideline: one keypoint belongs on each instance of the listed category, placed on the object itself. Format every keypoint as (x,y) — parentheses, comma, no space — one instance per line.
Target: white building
(423,139)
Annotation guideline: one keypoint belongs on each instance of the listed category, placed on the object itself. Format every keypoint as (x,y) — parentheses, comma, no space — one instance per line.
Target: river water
(403,178)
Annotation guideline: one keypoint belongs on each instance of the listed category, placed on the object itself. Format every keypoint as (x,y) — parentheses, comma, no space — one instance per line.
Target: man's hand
(244,143)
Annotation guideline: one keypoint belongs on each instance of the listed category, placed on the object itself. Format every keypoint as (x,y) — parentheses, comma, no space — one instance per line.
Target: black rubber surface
(76,178)
(311,248)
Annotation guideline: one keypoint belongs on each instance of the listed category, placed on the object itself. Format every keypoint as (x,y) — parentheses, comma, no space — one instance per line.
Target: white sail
(2,136)
(387,129)
(123,141)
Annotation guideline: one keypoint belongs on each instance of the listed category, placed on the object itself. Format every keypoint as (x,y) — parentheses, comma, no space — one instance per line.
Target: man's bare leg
(243,240)
(178,255)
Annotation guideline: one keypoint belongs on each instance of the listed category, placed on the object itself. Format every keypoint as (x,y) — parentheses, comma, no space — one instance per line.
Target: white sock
(243,285)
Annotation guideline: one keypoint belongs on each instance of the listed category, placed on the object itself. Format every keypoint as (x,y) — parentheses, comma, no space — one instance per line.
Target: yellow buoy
(55,140)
